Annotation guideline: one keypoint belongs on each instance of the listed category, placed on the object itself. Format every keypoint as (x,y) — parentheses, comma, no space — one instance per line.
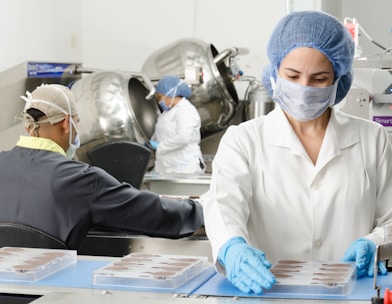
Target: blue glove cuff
(245,267)
(154,144)
(367,240)
(227,245)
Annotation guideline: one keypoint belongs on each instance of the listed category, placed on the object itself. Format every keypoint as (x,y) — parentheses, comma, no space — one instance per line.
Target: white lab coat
(266,189)
(178,134)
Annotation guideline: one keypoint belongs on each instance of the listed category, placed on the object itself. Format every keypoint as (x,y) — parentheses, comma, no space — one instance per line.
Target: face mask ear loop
(273,83)
(272,80)
(174,90)
(174,96)
(335,91)
(69,112)
(34,129)
(70,116)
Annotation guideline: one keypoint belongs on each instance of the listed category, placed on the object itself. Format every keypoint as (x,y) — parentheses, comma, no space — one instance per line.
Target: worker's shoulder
(350,121)
(71,165)
(185,104)
(247,126)
(245,132)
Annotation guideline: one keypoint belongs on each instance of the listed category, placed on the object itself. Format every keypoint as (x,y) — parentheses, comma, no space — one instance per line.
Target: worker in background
(43,187)
(176,139)
(307,181)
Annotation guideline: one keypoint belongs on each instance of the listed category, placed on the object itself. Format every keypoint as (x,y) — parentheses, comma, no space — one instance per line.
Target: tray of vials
(143,270)
(32,264)
(313,278)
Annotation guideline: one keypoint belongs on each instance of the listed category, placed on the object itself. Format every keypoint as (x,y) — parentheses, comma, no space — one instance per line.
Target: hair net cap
(316,30)
(53,100)
(173,86)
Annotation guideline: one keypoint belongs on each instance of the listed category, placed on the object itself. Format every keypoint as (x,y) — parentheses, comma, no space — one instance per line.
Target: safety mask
(163,105)
(303,102)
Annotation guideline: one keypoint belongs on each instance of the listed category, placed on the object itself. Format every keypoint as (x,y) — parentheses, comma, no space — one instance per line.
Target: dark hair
(36,114)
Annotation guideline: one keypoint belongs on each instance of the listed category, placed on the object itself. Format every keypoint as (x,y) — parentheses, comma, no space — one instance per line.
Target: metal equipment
(371,94)
(383,253)
(357,103)
(210,74)
(114,106)
(257,101)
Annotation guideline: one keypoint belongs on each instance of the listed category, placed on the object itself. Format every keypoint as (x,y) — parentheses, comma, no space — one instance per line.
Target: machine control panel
(357,103)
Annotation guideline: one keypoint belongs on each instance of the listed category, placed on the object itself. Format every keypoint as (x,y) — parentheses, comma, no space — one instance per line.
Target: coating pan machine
(209,74)
(116,105)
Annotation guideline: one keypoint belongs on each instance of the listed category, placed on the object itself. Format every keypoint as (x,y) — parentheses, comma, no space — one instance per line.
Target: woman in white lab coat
(176,137)
(306,181)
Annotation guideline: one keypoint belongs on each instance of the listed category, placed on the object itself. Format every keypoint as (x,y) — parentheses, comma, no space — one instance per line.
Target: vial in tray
(150,271)
(318,278)
(32,264)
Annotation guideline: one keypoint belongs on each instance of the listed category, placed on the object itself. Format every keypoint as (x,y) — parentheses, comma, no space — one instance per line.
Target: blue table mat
(207,283)
(362,289)
(80,275)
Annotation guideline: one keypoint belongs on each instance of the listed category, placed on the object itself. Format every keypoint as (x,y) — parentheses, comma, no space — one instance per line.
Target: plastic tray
(318,278)
(150,271)
(32,264)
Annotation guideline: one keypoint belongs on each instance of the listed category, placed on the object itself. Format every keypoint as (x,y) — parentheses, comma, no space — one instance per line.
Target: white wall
(47,30)
(121,34)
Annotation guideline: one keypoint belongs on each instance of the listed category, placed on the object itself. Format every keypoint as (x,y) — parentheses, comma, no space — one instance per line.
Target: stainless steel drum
(113,106)
(213,92)
(257,101)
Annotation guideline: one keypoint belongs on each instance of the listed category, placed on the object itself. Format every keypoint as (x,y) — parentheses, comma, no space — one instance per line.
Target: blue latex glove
(246,267)
(362,252)
(154,144)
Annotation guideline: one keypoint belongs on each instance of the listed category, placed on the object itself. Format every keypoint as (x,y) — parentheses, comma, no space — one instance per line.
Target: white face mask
(303,102)
(163,106)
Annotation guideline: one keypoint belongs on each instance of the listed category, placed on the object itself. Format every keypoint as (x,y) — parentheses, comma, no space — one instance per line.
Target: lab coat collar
(346,130)
(278,131)
(39,143)
(175,108)
(339,134)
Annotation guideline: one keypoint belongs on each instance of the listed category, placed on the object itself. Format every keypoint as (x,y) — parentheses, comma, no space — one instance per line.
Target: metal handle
(147,81)
(383,252)
(234,51)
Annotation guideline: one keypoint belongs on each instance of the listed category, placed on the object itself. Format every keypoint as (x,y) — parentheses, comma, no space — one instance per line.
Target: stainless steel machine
(208,73)
(117,105)
(211,75)
(112,106)
(370,96)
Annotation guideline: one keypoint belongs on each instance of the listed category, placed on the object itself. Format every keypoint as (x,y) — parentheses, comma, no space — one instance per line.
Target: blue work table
(74,284)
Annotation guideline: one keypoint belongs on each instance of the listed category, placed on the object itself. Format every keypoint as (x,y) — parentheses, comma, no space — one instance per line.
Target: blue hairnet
(317,30)
(173,86)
